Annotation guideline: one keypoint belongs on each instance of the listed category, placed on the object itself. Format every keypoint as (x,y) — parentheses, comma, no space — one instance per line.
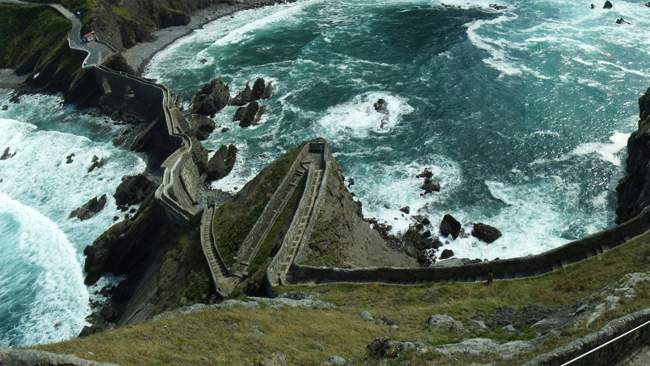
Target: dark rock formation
(261,90)
(201,126)
(416,243)
(171,18)
(450,225)
(68,159)
(133,189)
(634,189)
(249,115)
(430,185)
(608,5)
(7,154)
(199,155)
(117,62)
(381,106)
(90,208)
(96,163)
(212,98)
(447,253)
(405,209)
(242,97)
(222,162)
(426,173)
(486,233)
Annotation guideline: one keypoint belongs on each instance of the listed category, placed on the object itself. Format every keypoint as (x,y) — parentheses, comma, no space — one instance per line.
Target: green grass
(274,239)
(122,12)
(235,219)
(31,36)
(310,336)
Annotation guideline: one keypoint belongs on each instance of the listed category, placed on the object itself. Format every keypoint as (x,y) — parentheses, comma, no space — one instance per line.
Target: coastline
(139,55)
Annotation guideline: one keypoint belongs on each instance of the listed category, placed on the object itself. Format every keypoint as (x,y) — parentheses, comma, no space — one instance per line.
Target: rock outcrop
(201,126)
(222,162)
(89,209)
(117,62)
(133,189)
(634,189)
(249,115)
(7,154)
(486,233)
(212,98)
(261,90)
(450,226)
(608,5)
(14,357)
(416,243)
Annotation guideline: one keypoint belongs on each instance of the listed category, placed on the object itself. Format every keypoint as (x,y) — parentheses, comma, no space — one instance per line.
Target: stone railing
(270,213)
(287,253)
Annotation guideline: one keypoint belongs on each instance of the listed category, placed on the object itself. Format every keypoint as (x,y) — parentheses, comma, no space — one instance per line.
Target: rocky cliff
(634,189)
(343,238)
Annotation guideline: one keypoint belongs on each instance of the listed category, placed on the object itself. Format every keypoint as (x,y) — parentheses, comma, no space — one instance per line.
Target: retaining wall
(529,266)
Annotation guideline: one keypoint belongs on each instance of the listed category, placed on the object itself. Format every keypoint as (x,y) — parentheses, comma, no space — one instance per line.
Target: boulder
(450,225)
(381,106)
(608,5)
(259,88)
(415,244)
(242,97)
(68,159)
(201,126)
(212,98)
(249,115)
(96,163)
(7,154)
(486,233)
(90,208)
(447,253)
(276,359)
(133,189)
(430,185)
(222,162)
(405,209)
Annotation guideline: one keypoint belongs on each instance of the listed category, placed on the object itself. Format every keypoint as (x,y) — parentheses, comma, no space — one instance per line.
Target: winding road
(97,50)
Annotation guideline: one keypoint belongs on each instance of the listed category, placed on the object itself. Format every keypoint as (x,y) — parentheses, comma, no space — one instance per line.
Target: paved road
(97,51)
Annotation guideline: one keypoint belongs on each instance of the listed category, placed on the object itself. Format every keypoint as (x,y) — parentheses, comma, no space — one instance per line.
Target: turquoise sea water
(42,295)
(523,114)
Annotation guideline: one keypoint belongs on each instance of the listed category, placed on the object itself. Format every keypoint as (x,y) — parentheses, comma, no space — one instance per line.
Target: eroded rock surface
(90,208)
(212,98)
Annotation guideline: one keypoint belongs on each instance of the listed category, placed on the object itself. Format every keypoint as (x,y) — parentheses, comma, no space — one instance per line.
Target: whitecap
(607,152)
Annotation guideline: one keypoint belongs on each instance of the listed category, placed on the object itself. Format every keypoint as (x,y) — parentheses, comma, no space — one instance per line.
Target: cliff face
(634,189)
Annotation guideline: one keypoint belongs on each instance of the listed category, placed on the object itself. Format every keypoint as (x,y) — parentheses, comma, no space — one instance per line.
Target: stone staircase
(218,269)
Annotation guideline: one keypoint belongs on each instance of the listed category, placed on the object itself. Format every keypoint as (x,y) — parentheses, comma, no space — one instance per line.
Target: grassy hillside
(31,36)
(237,336)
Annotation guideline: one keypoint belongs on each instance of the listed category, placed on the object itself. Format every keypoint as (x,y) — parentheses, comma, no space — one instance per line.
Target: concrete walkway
(97,51)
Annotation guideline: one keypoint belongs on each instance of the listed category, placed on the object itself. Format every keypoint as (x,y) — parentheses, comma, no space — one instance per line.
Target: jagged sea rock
(447,253)
(450,226)
(7,154)
(249,115)
(133,189)
(242,97)
(486,233)
(258,89)
(96,163)
(212,98)
(430,185)
(199,155)
(90,208)
(608,5)
(201,126)
(222,162)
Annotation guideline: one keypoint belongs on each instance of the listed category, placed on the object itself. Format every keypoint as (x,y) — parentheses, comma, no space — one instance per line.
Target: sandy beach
(139,55)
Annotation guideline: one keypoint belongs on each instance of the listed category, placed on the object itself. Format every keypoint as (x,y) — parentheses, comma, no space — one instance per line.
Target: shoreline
(141,54)
(9,79)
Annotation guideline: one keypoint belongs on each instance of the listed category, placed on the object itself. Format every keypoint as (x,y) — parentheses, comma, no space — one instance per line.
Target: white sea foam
(40,272)
(358,117)
(608,152)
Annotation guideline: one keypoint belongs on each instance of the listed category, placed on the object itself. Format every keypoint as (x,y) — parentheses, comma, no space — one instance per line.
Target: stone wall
(529,266)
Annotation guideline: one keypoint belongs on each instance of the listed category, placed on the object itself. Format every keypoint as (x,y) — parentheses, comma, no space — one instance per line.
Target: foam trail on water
(41,275)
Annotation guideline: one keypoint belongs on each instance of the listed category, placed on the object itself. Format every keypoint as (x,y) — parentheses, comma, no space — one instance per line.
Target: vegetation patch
(235,219)
(31,36)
